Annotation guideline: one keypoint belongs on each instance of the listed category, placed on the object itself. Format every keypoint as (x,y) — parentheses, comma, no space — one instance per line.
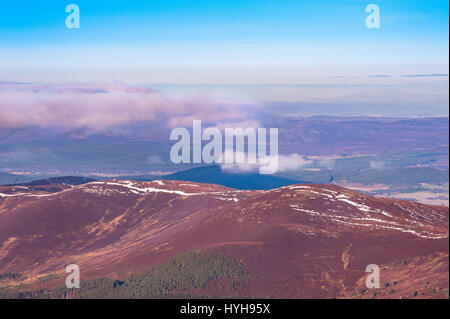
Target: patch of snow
(138,190)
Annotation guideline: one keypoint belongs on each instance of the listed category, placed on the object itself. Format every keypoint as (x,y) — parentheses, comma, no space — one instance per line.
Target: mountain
(52,184)
(213,174)
(65,180)
(7,178)
(173,238)
(136,148)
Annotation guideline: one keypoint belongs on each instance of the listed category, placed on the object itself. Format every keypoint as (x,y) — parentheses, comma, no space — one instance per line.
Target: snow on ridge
(34,195)
(11,195)
(139,190)
(298,187)
(311,212)
(422,234)
(392,223)
(228,199)
(361,207)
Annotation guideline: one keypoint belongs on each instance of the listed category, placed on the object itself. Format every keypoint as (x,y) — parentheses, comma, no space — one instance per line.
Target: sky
(231,63)
(247,51)
(215,41)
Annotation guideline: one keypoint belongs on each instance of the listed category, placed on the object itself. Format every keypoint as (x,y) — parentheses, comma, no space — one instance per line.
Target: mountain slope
(300,241)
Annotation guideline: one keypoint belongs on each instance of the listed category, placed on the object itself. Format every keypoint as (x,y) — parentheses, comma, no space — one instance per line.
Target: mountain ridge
(302,241)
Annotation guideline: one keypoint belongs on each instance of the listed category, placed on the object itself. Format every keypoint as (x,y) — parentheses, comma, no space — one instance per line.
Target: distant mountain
(68,180)
(7,178)
(206,174)
(183,239)
(213,174)
(132,149)
(53,184)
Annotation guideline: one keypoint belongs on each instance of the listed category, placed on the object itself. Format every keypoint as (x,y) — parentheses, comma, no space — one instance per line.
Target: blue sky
(212,41)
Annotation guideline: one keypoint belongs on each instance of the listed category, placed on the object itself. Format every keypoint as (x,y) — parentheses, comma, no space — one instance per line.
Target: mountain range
(168,238)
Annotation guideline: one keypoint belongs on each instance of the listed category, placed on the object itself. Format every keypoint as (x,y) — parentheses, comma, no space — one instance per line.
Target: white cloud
(95,107)
(326,162)
(286,163)
(377,165)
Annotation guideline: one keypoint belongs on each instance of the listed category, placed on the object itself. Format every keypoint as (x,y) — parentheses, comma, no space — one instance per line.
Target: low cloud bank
(95,107)
(286,163)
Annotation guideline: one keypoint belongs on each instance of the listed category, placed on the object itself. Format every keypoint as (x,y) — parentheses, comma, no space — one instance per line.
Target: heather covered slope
(299,241)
